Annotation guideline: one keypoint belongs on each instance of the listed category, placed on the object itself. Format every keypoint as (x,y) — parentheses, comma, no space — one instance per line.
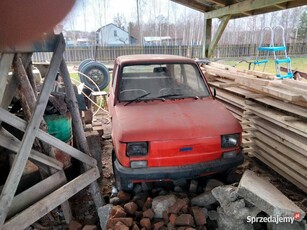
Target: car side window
(194,80)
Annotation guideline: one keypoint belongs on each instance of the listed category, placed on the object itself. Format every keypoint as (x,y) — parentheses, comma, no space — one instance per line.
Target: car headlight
(230,140)
(137,149)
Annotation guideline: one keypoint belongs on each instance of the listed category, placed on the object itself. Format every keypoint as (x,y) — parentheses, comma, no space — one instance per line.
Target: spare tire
(83,63)
(98,73)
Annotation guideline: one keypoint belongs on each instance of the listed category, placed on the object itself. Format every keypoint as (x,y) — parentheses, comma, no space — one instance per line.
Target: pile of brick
(161,208)
(217,206)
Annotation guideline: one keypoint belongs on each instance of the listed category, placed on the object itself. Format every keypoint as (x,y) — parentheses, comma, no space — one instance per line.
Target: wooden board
(291,156)
(299,127)
(21,125)
(282,135)
(36,192)
(274,157)
(48,203)
(295,109)
(5,66)
(8,141)
(261,155)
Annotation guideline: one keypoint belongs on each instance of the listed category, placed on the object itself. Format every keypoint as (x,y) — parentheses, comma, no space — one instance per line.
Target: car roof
(152,58)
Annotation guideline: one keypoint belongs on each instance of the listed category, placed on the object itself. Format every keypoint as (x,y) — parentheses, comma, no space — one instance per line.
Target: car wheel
(98,75)
(119,183)
(83,63)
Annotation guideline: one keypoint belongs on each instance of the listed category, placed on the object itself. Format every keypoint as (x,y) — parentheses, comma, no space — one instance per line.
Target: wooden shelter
(230,9)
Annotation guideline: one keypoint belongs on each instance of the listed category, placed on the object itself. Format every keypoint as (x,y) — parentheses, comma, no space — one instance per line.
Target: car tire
(83,63)
(120,185)
(98,72)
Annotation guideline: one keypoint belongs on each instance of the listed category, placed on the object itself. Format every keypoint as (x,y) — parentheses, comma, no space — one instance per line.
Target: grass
(296,63)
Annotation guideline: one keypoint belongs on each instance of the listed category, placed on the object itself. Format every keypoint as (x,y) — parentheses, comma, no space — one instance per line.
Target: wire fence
(105,54)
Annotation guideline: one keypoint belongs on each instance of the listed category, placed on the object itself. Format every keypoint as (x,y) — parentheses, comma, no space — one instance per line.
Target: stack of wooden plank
(273,114)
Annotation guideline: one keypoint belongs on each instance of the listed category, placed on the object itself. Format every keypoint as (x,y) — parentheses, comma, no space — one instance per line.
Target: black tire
(120,185)
(83,63)
(98,72)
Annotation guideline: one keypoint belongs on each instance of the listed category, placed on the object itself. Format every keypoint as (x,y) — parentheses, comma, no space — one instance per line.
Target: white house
(112,35)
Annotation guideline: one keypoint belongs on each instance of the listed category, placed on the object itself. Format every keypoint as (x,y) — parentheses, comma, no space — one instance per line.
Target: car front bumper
(127,176)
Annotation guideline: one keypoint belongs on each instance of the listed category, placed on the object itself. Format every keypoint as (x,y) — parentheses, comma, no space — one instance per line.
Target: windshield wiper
(137,99)
(170,95)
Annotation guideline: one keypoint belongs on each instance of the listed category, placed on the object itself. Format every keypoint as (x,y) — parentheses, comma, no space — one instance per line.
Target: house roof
(239,8)
(117,27)
(155,39)
(110,25)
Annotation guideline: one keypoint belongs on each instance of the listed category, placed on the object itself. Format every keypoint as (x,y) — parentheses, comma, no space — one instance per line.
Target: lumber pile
(273,115)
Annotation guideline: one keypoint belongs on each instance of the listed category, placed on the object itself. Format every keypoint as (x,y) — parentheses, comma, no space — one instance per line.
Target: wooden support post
(206,37)
(224,20)
(32,79)
(19,163)
(79,131)
(10,92)
(25,84)
(5,66)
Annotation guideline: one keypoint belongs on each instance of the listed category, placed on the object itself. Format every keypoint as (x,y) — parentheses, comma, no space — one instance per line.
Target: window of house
(115,33)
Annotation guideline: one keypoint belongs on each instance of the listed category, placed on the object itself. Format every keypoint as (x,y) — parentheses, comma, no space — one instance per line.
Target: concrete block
(104,214)
(266,197)
(162,203)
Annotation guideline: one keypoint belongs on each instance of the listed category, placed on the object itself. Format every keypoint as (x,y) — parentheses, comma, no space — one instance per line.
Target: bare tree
(120,20)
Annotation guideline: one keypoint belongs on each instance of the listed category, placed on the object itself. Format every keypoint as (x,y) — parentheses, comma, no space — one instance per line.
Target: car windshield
(161,81)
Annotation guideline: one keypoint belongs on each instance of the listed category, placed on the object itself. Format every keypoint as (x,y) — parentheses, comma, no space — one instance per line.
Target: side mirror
(214,93)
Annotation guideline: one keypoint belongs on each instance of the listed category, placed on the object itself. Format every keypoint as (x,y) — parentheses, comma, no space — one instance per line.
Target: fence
(104,54)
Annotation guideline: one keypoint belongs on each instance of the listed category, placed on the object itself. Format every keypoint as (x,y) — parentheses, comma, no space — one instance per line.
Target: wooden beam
(21,125)
(207,34)
(10,142)
(50,202)
(5,66)
(241,7)
(216,2)
(37,192)
(46,45)
(20,160)
(73,107)
(192,4)
(218,34)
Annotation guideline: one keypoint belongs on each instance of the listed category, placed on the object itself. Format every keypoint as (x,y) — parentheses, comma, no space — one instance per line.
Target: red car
(166,124)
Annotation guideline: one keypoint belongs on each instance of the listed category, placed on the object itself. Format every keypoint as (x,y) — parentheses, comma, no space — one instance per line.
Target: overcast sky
(85,13)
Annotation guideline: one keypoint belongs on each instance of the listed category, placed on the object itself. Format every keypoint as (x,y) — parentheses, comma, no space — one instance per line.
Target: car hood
(172,120)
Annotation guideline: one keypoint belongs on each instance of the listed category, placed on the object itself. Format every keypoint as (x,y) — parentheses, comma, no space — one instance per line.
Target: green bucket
(59,126)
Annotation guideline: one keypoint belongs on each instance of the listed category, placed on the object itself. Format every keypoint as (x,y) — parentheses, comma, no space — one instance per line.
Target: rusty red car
(166,122)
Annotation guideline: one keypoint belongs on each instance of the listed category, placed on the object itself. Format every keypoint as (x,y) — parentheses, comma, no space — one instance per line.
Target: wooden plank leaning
(37,192)
(48,203)
(10,142)
(19,163)
(21,125)
(79,131)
